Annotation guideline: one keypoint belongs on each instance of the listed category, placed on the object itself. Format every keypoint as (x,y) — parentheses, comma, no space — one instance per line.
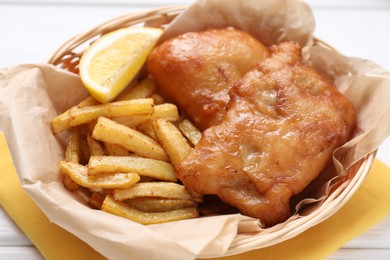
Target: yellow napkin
(369,205)
(51,240)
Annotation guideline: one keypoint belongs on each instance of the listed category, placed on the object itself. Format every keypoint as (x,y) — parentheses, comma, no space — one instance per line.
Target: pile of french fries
(125,153)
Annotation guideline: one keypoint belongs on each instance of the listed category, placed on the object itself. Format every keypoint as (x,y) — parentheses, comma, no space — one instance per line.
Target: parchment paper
(31,95)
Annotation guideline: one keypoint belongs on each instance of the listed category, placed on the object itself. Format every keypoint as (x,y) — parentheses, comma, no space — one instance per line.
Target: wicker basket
(67,57)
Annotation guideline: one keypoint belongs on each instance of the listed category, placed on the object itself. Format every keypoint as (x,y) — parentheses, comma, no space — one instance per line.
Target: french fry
(158,99)
(85,153)
(116,150)
(100,190)
(159,204)
(131,149)
(62,122)
(146,179)
(166,110)
(95,147)
(190,131)
(147,128)
(79,174)
(196,196)
(69,184)
(168,190)
(109,131)
(143,89)
(96,200)
(89,101)
(171,139)
(146,218)
(115,109)
(131,121)
(142,166)
(90,126)
(72,154)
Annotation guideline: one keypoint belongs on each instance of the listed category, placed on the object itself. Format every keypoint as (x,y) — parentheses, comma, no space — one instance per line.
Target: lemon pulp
(109,64)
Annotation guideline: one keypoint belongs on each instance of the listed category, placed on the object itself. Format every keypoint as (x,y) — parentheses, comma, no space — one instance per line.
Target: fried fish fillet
(195,70)
(283,122)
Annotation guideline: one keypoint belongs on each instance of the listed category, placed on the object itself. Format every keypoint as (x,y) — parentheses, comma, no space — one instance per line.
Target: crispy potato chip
(143,166)
(62,122)
(115,109)
(109,131)
(190,131)
(159,204)
(79,174)
(146,218)
(171,139)
(168,190)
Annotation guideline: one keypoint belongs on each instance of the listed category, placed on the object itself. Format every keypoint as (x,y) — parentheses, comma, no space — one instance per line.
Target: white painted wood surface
(31,30)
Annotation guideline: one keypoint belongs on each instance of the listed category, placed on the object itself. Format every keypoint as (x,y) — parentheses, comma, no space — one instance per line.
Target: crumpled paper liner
(271,21)
(32,95)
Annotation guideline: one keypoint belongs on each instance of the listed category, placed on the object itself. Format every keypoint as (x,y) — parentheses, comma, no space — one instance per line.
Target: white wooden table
(31,30)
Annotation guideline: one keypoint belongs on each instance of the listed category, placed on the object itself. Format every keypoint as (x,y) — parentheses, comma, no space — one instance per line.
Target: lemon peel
(112,61)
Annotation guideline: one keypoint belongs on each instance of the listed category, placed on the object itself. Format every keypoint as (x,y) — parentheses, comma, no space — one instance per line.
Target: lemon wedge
(112,61)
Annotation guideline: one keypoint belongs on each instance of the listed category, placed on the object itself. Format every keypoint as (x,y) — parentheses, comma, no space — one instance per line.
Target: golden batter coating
(283,123)
(195,70)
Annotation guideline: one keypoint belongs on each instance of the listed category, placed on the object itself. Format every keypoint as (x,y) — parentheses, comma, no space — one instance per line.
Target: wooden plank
(17,252)
(354,254)
(10,234)
(377,237)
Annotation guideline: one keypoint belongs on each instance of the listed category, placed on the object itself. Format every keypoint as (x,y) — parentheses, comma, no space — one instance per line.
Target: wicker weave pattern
(68,55)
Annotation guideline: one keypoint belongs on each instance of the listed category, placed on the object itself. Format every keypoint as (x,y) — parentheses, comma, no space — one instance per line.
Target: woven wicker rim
(67,57)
